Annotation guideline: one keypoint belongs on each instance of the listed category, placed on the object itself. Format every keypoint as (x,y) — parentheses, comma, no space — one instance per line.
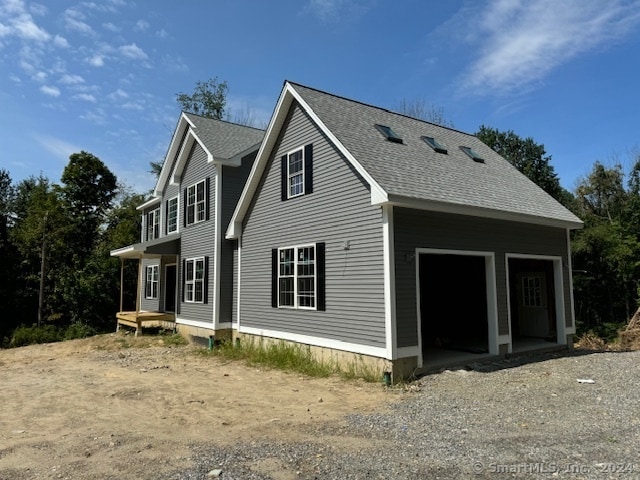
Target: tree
(418,108)
(208,99)
(528,157)
(9,263)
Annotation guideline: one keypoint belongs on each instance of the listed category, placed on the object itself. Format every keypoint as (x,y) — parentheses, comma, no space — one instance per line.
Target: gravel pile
(555,416)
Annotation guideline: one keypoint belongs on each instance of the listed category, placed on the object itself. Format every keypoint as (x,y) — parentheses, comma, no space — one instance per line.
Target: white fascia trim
(572,329)
(236,160)
(317,341)
(217,245)
(194,323)
(481,212)
(165,173)
(185,148)
(378,194)
(389,280)
(148,203)
(238,272)
(209,155)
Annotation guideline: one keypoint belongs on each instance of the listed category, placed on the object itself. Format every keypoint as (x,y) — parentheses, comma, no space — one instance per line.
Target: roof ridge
(379,108)
(222,121)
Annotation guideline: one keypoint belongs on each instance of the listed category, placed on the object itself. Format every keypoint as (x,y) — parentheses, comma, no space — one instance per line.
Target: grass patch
(291,358)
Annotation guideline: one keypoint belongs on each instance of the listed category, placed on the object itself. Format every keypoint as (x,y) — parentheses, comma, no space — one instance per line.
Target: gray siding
(421,229)
(233,181)
(150,304)
(197,240)
(337,211)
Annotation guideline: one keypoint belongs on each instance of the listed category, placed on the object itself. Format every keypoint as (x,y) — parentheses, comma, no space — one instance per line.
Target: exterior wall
(150,304)
(422,229)
(233,181)
(338,211)
(198,240)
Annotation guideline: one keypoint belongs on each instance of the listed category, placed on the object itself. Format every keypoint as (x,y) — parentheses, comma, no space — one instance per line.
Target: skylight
(472,154)
(433,143)
(389,133)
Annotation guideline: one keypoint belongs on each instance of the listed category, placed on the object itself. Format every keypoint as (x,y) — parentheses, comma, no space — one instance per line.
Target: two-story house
(185,263)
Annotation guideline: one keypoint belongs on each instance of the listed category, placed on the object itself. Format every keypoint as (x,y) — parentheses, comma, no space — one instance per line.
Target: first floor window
(299,277)
(151,282)
(194,280)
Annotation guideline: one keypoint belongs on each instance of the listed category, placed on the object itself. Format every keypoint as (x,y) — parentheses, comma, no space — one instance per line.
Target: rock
(215,473)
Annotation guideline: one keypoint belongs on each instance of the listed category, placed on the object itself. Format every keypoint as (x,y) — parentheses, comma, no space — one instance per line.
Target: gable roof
(411,173)
(222,142)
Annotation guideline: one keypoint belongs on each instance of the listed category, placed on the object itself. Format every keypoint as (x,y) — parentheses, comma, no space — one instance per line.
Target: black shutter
(183,280)
(166,216)
(184,208)
(205,287)
(320,277)
(206,198)
(283,177)
(308,169)
(274,278)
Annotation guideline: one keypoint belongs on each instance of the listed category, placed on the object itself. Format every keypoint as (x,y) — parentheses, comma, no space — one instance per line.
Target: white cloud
(97,60)
(68,79)
(119,94)
(39,77)
(97,116)
(57,147)
(335,10)
(61,42)
(520,42)
(38,9)
(133,51)
(85,97)
(162,33)
(50,90)
(141,26)
(111,27)
(74,20)
(133,106)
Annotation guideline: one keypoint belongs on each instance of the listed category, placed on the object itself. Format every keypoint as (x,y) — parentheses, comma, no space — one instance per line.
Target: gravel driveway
(529,417)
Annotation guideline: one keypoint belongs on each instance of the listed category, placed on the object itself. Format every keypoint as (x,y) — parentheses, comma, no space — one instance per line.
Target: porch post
(121,281)
(138,292)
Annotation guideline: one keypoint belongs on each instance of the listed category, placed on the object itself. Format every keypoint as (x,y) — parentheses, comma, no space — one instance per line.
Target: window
(172,215)
(197,202)
(389,134)
(532,292)
(472,154)
(298,279)
(153,224)
(433,143)
(195,280)
(151,282)
(297,172)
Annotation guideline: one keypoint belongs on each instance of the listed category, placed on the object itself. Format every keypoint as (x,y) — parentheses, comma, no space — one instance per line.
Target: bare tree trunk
(43,255)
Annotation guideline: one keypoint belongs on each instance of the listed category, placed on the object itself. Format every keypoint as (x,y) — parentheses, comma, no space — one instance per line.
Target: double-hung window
(153,224)
(196,207)
(172,215)
(194,280)
(295,173)
(151,282)
(297,277)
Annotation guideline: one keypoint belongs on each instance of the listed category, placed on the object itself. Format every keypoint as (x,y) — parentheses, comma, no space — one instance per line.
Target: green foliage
(528,157)
(78,330)
(208,99)
(23,336)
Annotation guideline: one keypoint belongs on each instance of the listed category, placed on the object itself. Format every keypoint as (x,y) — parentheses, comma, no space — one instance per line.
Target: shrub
(29,335)
(79,330)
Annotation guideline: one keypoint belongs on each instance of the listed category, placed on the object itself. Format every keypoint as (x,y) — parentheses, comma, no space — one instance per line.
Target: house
(361,233)
(365,232)
(185,277)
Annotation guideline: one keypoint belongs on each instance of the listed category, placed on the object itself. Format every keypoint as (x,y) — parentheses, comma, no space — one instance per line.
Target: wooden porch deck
(140,320)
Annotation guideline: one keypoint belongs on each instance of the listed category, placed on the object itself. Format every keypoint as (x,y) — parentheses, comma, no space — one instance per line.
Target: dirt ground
(114,407)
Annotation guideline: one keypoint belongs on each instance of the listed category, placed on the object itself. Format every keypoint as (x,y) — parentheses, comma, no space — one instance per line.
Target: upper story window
(172,215)
(433,143)
(389,134)
(153,224)
(297,172)
(472,154)
(196,202)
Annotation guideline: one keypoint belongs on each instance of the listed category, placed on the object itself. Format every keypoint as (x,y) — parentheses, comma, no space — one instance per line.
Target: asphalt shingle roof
(224,140)
(413,170)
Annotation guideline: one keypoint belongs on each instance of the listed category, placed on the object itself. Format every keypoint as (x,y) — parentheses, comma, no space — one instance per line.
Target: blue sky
(102,76)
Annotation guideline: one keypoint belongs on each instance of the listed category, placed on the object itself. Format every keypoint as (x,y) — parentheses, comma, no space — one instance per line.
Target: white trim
(296,305)
(299,149)
(205,284)
(217,243)
(388,250)
(157,281)
(239,280)
(167,165)
(195,204)
(379,352)
(167,205)
(558,289)
(148,203)
(194,323)
(572,329)
(491,293)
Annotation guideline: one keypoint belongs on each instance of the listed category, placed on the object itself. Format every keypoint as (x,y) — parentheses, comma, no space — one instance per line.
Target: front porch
(140,320)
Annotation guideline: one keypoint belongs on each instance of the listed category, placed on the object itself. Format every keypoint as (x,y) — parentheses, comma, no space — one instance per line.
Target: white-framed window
(532,291)
(172,215)
(151,282)
(194,280)
(196,203)
(297,277)
(295,173)
(153,224)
